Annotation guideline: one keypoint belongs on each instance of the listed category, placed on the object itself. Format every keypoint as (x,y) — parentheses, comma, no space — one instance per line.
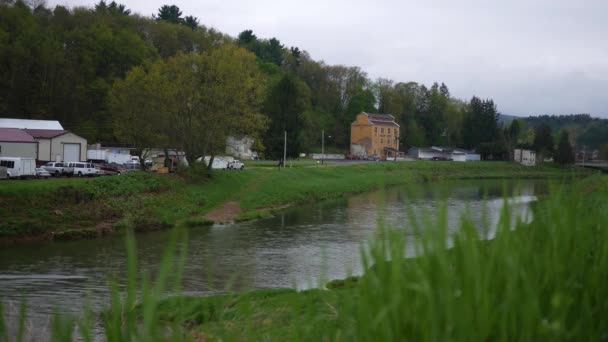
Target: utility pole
(285,149)
(322,146)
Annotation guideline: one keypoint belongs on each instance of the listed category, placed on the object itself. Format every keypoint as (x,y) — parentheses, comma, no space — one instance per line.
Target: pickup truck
(54,168)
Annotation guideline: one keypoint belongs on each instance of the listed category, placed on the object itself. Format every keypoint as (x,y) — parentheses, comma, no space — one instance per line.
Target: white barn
(53,142)
(17,143)
(59,145)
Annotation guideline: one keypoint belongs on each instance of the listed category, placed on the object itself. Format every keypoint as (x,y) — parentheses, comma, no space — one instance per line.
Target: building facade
(17,143)
(524,157)
(443,153)
(52,142)
(59,145)
(374,135)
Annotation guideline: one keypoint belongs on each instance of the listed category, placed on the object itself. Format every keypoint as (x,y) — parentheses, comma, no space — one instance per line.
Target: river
(302,247)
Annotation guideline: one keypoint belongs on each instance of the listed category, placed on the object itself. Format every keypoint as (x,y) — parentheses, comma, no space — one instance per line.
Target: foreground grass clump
(546,280)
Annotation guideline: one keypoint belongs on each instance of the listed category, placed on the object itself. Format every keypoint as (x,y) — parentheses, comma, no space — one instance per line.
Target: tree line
(169,81)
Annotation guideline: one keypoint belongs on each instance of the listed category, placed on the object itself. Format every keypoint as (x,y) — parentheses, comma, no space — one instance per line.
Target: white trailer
(17,167)
(108,157)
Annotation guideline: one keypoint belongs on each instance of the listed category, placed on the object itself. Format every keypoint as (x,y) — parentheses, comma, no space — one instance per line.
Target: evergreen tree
(564,154)
(543,140)
(285,105)
(170,14)
(480,125)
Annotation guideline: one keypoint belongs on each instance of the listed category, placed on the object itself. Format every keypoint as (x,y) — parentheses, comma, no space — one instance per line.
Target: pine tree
(564,154)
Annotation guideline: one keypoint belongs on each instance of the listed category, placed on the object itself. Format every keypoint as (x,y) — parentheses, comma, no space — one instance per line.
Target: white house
(524,157)
(455,154)
(17,143)
(240,147)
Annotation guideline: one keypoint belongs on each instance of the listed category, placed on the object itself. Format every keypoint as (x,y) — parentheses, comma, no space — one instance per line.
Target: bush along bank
(76,208)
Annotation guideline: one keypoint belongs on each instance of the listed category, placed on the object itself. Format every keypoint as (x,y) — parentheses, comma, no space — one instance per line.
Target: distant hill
(583,129)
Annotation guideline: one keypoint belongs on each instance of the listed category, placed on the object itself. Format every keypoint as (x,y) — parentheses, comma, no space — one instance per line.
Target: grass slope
(74,208)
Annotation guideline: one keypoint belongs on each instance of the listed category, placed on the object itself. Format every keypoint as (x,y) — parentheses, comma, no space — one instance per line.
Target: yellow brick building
(374,135)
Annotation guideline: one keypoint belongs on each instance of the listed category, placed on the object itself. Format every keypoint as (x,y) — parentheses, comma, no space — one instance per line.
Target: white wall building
(59,145)
(53,142)
(524,157)
(17,143)
(240,147)
(455,154)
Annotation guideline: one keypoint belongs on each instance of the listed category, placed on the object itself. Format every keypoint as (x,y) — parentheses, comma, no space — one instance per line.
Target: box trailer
(17,167)
(108,157)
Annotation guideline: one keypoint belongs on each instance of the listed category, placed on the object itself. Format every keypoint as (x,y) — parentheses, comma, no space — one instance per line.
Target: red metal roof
(15,135)
(45,133)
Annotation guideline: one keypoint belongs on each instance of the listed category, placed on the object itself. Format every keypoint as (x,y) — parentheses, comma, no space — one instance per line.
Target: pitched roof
(30,124)
(381,119)
(15,135)
(45,133)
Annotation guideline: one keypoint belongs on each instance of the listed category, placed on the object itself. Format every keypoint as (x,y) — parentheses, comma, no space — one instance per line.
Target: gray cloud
(531,57)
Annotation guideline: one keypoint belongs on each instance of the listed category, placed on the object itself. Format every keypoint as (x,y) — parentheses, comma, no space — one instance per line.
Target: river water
(302,247)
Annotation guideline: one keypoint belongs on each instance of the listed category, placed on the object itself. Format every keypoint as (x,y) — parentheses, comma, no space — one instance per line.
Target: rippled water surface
(301,247)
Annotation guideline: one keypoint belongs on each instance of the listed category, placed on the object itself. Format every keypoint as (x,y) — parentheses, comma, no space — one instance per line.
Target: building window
(381,130)
(376,129)
(382,141)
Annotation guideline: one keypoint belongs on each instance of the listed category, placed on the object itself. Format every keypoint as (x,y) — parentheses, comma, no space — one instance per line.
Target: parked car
(42,173)
(54,168)
(235,165)
(82,169)
(372,158)
(111,169)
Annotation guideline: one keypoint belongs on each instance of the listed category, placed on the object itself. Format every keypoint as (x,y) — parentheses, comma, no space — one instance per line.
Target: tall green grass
(543,280)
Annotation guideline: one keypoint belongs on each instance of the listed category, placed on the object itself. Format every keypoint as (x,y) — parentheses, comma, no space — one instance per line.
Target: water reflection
(301,247)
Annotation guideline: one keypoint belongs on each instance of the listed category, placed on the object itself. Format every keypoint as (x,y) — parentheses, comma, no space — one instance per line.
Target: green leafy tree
(214,95)
(139,109)
(564,154)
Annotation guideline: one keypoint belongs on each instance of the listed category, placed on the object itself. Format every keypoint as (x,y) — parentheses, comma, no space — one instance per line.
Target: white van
(82,169)
(17,167)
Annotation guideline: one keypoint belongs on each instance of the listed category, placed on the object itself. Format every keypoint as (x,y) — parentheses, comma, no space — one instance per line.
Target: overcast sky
(531,56)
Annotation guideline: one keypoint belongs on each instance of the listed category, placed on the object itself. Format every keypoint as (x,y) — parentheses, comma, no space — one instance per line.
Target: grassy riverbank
(85,208)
